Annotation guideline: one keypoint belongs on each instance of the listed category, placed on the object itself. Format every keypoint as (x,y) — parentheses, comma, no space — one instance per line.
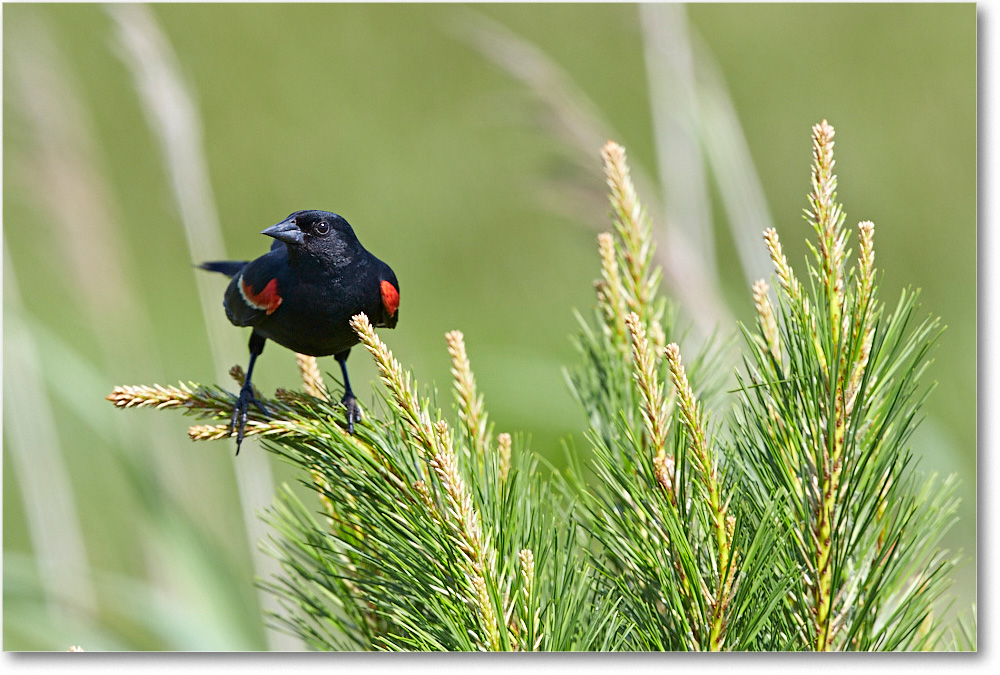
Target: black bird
(303,293)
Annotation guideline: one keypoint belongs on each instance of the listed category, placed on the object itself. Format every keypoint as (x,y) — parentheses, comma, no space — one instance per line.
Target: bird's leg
(247,396)
(348,401)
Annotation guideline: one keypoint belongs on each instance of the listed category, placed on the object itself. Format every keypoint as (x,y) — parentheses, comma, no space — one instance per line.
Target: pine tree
(797,522)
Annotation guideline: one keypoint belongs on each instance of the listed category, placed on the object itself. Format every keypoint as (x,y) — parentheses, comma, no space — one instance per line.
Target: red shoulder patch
(267,299)
(390,297)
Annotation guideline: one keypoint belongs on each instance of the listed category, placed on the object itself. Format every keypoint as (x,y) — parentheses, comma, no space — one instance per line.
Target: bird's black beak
(287,231)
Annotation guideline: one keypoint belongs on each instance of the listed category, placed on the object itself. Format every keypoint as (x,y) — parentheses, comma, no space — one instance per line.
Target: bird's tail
(228,267)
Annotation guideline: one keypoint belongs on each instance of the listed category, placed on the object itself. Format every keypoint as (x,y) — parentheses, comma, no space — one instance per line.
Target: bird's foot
(238,422)
(353,411)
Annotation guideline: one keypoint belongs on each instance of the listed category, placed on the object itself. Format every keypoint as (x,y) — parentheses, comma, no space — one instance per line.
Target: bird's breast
(314,318)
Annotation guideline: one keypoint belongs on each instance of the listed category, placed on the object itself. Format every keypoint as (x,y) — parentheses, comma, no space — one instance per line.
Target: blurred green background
(462,143)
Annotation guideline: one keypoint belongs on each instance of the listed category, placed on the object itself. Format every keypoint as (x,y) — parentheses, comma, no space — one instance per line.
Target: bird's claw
(238,422)
(353,411)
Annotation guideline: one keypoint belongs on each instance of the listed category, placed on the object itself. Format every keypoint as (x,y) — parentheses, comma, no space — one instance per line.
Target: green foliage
(657,511)
(799,522)
(387,569)
(829,401)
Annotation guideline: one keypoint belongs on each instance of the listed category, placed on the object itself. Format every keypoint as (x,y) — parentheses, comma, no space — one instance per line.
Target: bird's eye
(322,227)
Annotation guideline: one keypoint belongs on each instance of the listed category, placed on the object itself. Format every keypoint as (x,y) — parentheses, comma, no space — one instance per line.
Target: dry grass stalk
(632,228)
(826,217)
(527,560)
(215,432)
(784,271)
(793,289)
(610,292)
(654,411)
(693,418)
(312,378)
(766,320)
(436,441)
(504,447)
(157,396)
(466,526)
(470,404)
(398,382)
(425,495)
(663,466)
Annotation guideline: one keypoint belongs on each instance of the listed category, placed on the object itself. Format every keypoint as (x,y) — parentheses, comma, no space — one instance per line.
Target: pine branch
(670,560)
(470,404)
(830,402)
(801,524)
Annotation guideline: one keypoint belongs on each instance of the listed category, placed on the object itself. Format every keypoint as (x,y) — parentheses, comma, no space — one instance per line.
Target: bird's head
(317,233)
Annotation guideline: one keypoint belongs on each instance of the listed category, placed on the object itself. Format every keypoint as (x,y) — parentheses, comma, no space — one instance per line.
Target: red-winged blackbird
(303,293)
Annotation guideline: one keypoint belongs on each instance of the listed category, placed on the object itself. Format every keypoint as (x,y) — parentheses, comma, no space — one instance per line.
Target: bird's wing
(390,303)
(254,294)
